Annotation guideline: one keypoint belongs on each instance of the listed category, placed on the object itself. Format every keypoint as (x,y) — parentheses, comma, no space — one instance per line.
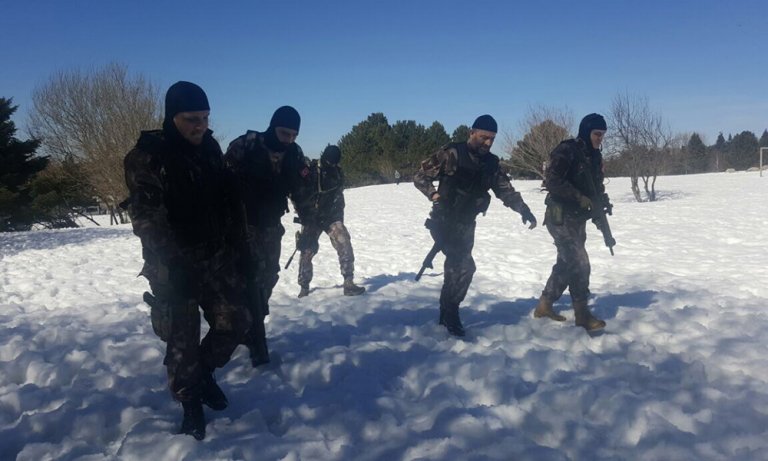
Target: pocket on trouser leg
(160,315)
(554,215)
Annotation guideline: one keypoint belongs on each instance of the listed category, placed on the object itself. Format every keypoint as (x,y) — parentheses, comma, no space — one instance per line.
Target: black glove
(607,205)
(585,202)
(528,217)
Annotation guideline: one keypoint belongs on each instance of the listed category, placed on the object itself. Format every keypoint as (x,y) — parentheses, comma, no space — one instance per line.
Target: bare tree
(642,140)
(544,128)
(95,118)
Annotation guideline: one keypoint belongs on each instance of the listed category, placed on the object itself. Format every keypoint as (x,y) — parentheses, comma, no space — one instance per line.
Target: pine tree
(718,153)
(697,154)
(763,139)
(18,166)
(743,150)
(460,134)
(363,149)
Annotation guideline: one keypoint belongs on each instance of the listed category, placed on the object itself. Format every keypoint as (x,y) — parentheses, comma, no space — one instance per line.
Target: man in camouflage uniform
(324,212)
(574,174)
(185,212)
(270,167)
(466,171)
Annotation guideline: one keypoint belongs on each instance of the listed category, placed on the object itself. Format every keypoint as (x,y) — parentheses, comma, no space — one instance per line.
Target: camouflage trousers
(264,245)
(341,242)
(459,266)
(220,294)
(572,268)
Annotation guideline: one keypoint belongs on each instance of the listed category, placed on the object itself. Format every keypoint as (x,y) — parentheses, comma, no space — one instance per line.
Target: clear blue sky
(702,64)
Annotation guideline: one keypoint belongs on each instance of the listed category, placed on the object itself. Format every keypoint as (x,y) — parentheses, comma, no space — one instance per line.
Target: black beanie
(286,117)
(589,123)
(184,97)
(332,155)
(485,122)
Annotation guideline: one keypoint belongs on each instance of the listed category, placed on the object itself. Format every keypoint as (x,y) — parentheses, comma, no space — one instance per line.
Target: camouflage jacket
(266,179)
(181,200)
(464,181)
(573,169)
(323,201)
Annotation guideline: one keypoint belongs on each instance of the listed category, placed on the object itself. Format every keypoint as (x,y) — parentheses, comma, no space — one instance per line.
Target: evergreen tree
(60,196)
(720,143)
(363,150)
(718,154)
(743,150)
(763,142)
(434,138)
(460,134)
(696,155)
(18,166)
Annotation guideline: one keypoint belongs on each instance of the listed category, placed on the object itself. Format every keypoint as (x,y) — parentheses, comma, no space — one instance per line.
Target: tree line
(82,124)
(373,150)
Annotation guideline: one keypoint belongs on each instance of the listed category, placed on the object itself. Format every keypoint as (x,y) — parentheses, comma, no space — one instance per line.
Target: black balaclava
(182,97)
(286,117)
(331,155)
(485,122)
(589,123)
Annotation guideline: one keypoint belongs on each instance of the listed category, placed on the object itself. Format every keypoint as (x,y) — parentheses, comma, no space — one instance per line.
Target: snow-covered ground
(680,373)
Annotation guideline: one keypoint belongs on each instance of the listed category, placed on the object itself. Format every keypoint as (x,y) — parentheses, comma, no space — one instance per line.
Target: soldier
(573,175)
(324,212)
(270,167)
(466,171)
(183,209)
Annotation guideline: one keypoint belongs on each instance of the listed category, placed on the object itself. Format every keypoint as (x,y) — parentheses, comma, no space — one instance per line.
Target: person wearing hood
(269,168)
(466,171)
(574,174)
(187,214)
(323,211)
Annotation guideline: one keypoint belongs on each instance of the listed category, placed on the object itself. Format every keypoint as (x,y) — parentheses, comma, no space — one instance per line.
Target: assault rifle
(600,209)
(436,248)
(298,236)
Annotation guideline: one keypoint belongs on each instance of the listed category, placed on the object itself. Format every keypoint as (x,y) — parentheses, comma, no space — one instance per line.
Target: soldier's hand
(435,197)
(585,202)
(528,217)
(607,205)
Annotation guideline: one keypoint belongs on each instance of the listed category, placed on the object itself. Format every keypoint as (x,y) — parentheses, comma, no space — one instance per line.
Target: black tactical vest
(465,193)
(267,196)
(585,172)
(193,180)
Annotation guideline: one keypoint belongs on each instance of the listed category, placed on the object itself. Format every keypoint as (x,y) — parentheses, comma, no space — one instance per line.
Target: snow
(680,372)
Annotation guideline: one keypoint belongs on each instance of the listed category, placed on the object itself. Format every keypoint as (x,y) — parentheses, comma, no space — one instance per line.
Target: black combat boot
(449,318)
(304,291)
(350,289)
(194,420)
(584,317)
(212,395)
(544,309)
